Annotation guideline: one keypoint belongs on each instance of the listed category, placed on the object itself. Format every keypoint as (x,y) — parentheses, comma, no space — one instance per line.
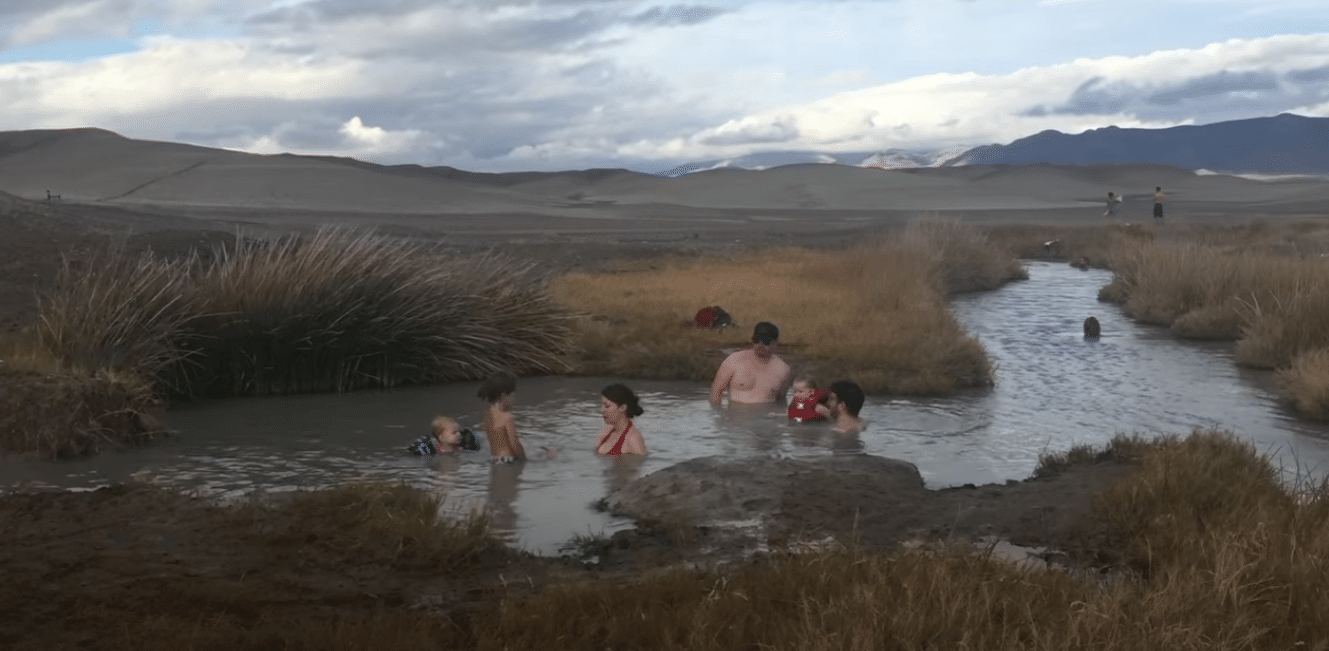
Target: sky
(512,85)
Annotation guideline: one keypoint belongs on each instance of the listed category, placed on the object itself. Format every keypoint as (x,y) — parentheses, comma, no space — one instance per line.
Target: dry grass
(334,311)
(1205,292)
(57,416)
(1305,383)
(397,526)
(343,310)
(382,528)
(1276,306)
(1211,550)
(875,313)
(1092,245)
(1215,553)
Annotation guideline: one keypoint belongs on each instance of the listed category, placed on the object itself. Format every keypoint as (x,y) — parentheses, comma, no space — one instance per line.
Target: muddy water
(1054,389)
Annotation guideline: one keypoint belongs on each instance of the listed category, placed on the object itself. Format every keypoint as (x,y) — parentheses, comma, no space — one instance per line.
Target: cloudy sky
(503,85)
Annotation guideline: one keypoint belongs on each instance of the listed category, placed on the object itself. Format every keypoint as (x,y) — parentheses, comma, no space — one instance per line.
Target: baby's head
(446,430)
(803,387)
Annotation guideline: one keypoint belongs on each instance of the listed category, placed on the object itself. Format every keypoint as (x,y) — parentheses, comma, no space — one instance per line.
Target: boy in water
(807,402)
(445,439)
(499,391)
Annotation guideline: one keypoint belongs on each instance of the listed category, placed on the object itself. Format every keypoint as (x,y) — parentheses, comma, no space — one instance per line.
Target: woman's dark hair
(620,394)
(495,386)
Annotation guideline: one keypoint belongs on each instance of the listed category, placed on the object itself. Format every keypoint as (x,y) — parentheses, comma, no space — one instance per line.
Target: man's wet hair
(765,332)
(850,394)
(496,386)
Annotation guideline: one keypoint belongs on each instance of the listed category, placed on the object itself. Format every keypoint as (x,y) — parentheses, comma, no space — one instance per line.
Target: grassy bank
(334,311)
(1200,546)
(875,312)
(1208,550)
(1276,307)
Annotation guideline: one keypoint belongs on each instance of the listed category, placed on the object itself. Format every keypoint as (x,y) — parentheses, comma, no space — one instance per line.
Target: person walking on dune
(1112,202)
(1159,198)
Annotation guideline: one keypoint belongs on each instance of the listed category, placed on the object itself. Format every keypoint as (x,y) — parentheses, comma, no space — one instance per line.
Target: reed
(343,310)
(118,312)
(55,416)
(335,311)
(875,313)
(1305,383)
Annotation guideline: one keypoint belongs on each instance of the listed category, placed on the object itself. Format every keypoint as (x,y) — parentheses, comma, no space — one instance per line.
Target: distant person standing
(1159,198)
(1112,202)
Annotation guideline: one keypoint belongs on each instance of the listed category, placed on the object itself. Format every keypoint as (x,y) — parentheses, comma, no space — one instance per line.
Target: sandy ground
(130,543)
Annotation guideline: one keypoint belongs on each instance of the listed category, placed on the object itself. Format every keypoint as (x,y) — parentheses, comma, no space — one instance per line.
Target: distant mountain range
(888,159)
(1284,144)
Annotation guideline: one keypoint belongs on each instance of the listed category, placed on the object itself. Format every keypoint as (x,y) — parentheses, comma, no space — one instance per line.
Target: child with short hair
(807,401)
(444,439)
(500,391)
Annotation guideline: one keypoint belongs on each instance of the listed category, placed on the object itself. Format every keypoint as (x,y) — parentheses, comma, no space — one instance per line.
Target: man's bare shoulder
(738,356)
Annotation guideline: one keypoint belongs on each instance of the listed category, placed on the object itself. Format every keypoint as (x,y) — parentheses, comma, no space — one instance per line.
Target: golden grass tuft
(875,313)
(1305,383)
(62,415)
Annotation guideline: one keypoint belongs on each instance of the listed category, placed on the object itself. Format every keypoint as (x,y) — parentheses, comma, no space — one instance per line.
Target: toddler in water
(445,439)
(500,392)
(807,401)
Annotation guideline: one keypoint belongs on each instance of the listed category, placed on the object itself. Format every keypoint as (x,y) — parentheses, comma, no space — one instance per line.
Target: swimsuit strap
(617,450)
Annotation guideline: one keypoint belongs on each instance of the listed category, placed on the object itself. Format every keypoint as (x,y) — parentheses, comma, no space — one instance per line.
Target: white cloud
(84,18)
(510,84)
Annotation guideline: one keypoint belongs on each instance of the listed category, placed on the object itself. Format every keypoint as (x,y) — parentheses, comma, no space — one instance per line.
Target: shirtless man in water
(757,374)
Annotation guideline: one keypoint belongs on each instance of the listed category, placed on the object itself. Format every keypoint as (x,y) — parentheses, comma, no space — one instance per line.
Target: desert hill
(101,168)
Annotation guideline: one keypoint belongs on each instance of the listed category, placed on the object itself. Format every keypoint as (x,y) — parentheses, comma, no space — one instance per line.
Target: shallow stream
(1054,389)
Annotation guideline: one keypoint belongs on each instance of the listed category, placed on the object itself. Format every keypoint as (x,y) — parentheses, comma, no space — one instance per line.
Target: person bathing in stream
(757,374)
(618,406)
(445,439)
(807,404)
(845,400)
(500,392)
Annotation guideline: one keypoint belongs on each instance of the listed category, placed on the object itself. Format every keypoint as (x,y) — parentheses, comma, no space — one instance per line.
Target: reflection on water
(1054,389)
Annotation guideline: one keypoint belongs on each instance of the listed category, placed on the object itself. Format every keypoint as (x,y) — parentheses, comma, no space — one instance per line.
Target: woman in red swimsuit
(618,406)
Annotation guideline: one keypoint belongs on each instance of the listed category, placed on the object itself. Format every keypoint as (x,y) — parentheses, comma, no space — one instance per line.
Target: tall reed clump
(875,313)
(118,312)
(342,310)
(960,256)
(333,311)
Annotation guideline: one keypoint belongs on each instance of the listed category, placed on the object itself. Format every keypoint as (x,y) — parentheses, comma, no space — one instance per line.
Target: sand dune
(97,166)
